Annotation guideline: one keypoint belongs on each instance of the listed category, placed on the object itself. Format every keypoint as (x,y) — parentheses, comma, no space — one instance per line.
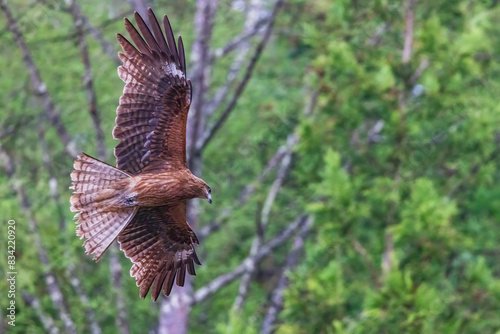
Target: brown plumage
(142,202)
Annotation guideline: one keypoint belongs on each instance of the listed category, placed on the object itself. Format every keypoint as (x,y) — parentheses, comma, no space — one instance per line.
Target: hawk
(142,202)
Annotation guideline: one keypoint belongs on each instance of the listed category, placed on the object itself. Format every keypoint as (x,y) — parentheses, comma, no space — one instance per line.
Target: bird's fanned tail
(99,222)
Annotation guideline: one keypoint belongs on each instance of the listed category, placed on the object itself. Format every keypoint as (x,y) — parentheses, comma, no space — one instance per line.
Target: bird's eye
(209,190)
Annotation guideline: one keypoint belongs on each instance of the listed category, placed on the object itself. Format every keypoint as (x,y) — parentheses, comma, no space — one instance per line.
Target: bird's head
(202,190)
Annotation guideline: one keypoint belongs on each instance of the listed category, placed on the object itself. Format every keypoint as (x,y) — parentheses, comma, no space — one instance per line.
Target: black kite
(142,202)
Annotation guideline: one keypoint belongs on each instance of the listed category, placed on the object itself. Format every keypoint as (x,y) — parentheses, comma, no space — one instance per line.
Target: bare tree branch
(208,134)
(292,141)
(245,193)
(270,165)
(84,299)
(49,276)
(408,41)
(200,54)
(102,153)
(311,105)
(223,280)
(388,255)
(47,321)
(252,17)
(94,31)
(8,130)
(367,259)
(141,7)
(268,325)
(70,270)
(87,78)
(280,179)
(106,47)
(419,71)
(376,38)
(236,42)
(53,189)
(117,283)
(264,220)
(38,85)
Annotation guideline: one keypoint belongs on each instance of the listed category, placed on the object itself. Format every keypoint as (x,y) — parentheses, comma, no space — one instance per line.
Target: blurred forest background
(352,148)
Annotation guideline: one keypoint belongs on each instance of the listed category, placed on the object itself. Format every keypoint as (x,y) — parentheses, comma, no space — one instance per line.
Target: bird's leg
(130,200)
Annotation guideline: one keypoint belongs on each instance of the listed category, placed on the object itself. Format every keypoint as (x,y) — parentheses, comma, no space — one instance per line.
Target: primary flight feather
(142,202)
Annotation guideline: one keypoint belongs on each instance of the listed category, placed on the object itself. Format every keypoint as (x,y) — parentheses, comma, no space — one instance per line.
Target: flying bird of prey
(142,201)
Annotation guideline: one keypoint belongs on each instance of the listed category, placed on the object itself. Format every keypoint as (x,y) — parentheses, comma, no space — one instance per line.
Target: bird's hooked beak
(209,197)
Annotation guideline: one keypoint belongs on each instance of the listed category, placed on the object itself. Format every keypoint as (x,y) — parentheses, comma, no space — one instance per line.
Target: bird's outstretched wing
(151,118)
(160,244)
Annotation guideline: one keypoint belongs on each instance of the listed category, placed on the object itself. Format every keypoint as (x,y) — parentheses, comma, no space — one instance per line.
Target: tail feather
(98,222)
(100,238)
(91,175)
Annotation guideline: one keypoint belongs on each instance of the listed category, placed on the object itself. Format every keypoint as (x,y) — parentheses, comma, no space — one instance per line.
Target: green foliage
(397,239)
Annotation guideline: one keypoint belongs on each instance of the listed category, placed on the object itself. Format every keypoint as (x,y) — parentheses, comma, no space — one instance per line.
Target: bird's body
(150,190)
(167,188)
(142,201)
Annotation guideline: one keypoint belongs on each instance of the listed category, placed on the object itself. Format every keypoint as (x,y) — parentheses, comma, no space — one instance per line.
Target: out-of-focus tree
(401,160)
